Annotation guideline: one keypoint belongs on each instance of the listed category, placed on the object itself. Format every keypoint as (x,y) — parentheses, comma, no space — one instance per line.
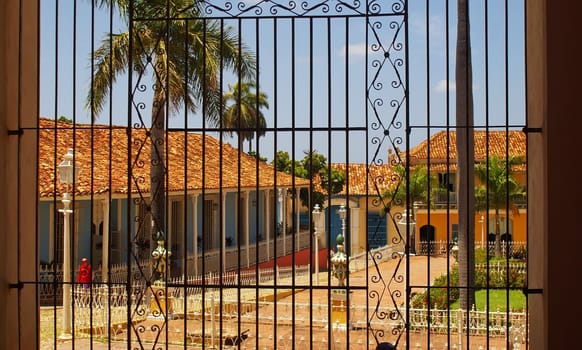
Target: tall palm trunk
(465,158)
(157,167)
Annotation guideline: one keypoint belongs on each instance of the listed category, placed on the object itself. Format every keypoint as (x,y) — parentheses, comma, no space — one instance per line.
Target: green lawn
(497,300)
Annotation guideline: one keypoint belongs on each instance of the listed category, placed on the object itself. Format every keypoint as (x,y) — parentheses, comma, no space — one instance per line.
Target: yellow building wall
(440,218)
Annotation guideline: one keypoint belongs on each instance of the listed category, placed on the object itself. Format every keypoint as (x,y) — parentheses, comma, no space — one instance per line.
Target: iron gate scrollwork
(184,54)
(231,156)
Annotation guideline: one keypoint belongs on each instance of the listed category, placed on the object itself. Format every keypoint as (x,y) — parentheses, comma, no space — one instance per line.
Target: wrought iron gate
(237,160)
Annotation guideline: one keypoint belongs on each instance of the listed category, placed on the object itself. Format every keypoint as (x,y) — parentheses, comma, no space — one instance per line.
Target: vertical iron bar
(275,183)
(240,149)
(110,169)
(221,204)
(486,160)
(448,163)
(507,173)
(407,142)
(56,228)
(368,162)
(258,193)
(168,225)
(345,231)
(128,286)
(310,201)
(294,158)
(410,201)
(328,194)
(203,194)
(185,250)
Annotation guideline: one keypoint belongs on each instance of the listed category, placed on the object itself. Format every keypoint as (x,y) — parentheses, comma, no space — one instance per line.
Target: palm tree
(243,111)
(418,187)
(498,190)
(184,59)
(465,157)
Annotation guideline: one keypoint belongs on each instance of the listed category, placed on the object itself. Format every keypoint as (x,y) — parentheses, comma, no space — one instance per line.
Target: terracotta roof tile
(443,147)
(383,177)
(101,152)
(365,179)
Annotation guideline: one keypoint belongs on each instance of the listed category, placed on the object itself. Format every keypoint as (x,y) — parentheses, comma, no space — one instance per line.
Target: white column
(284,221)
(321,232)
(355,231)
(281,201)
(223,231)
(297,204)
(267,221)
(105,246)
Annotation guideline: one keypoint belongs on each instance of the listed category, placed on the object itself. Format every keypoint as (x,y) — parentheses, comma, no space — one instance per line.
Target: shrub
(441,288)
(480,256)
(438,291)
(519,253)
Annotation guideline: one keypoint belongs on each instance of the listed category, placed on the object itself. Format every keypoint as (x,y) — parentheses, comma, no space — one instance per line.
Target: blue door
(376,230)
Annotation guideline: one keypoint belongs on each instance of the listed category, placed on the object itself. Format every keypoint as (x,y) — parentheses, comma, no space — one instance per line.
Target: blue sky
(327,70)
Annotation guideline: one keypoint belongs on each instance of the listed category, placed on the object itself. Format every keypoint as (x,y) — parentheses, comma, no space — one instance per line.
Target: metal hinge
(527,291)
(15,132)
(18,285)
(532,130)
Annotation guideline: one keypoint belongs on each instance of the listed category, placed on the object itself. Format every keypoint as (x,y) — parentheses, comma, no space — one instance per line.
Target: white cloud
(358,50)
(441,86)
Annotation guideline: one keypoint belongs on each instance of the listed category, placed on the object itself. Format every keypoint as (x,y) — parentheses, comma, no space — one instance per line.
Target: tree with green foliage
(313,166)
(415,188)
(499,190)
(183,56)
(243,112)
(257,156)
(418,187)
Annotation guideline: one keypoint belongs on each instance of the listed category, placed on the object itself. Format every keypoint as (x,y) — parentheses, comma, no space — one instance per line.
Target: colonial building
(217,197)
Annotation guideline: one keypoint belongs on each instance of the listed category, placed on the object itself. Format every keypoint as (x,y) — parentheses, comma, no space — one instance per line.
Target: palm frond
(110,60)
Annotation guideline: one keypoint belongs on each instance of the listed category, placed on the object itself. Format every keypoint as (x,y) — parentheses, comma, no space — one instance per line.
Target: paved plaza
(292,321)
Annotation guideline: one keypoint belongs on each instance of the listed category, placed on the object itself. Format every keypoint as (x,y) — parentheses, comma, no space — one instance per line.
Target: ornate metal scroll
(387,97)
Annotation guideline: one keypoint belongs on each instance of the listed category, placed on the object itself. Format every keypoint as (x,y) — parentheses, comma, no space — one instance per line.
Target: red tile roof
(194,161)
(443,147)
(378,178)
(384,177)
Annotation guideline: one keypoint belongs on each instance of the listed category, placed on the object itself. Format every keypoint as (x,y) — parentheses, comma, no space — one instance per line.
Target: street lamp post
(340,260)
(68,174)
(316,213)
